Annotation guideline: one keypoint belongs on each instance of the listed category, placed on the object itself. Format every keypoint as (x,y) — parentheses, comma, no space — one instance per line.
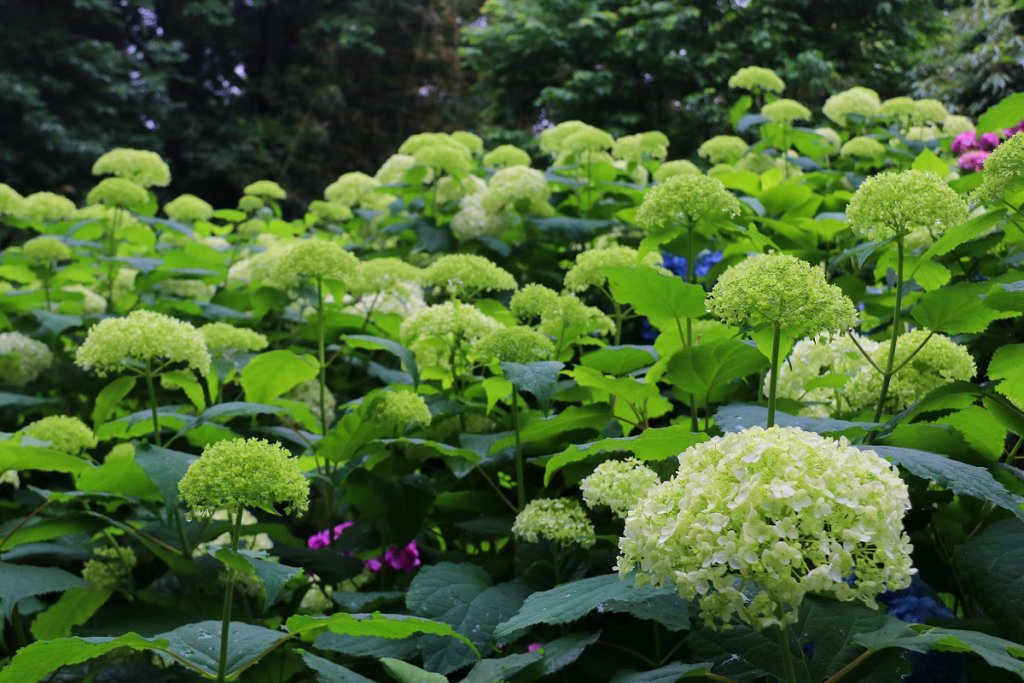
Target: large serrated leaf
(18,582)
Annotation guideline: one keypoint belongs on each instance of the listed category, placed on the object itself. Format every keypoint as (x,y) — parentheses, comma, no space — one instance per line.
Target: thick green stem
(229,591)
(112,264)
(788,672)
(520,469)
(152,404)
(689,323)
(321,356)
(896,311)
(773,384)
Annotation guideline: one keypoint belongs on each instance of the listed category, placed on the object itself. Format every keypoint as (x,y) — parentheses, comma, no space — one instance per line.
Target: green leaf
(403,504)
(927,161)
(442,449)
(562,652)
(271,374)
(464,597)
(663,299)
(8,399)
(959,477)
(121,475)
(636,392)
(165,468)
(545,430)
(1006,114)
(405,355)
(966,231)
(186,381)
(329,672)
(997,652)
(957,309)
(75,607)
(502,668)
(980,429)
(650,444)
(1007,365)
(394,626)
(272,575)
(224,411)
(34,458)
(572,601)
(198,646)
(736,417)
(35,662)
(1006,297)
(703,368)
(669,673)
(537,379)
(109,398)
(831,625)
(620,360)
(403,672)
(992,567)
(18,582)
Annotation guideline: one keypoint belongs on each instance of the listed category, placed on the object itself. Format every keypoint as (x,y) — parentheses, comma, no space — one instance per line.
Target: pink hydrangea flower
(1010,132)
(988,141)
(964,142)
(322,539)
(400,559)
(533,647)
(973,161)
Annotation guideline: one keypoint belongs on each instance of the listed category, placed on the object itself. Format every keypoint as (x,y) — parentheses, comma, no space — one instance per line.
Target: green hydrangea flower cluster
(780,289)
(757,79)
(142,338)
(393,170)
(386,274)
(559,520)
(832,138)
(619,485)
(118,193)
(815,357)
(504,156)
(558,313)
(940,362)
(895,204)
(22,359)
(897,107)
(928,111)
(224,340)
(46,250)
(46,206)
(394,411)
(65,433)
(264,189)
(330,212)
(922,133)
(450,158)
(112,571)
(250,204)
(91,304)
(315,258)
(308,393)
(467,275)
(351,189)
(471,141)
(571,137)
(188,208)
(516,344)
(1004,169)
(10,201)
(584,272)
(652,144)
(452,189)
(785,110)
(244,473)
(138,166)
(857,101)
(452,322)
(194,290)
(862,147)
(473,221)
(954,125)
(685,200)
(673,168)
(723,149)
(510,185)
(790,511)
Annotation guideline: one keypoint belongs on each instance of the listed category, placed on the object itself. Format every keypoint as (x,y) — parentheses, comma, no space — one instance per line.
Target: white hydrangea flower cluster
(473,221)
(22,359)
(784,510)
(815,357)
(559,520)
(618,484)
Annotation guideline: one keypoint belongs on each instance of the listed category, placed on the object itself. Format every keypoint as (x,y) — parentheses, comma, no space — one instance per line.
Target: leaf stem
(773,383)
(520,469)
(152,403)
(897,310)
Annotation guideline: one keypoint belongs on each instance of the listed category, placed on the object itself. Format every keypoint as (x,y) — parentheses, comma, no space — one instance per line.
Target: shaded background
(300,91)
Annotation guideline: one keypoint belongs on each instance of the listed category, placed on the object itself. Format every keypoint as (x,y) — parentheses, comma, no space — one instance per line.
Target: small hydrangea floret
(561,521)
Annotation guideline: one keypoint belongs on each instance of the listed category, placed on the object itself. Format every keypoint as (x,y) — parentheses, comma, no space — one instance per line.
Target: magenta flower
(988,141)
(400,559)
(973,161)
(322,539)
(533,647)
(964,142)
(1010,132)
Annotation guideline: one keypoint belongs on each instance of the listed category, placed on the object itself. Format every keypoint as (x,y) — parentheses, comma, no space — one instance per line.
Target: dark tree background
(300,91)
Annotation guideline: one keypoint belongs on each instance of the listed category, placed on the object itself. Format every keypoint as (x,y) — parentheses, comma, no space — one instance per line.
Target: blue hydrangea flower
(915,604)
(677,266)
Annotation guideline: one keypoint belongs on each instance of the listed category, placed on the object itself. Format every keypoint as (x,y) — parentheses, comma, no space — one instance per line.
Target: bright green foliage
(396,410)
(244,473)
(46,250)
(46,206)
(757,79)
(64,433)
(188,208)
(618,484)
(895,204)
(515,345)
(142,339)
(559,520)
(118,193)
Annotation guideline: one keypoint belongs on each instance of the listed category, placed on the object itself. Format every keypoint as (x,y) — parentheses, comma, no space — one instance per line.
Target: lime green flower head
(118,192)
(584,272)
(757,79)
(244,473)
(471,141)
(386,274)
(188,208)
(954,125)
(558,312)
(928,111)
(396,410)
(349,188)
(832,138)
(619,485)
(250,204)
(652,144)
(330,212)
(559,520)
(418,141)
(468,275)
(393,170)
(552,139)
(224,340)
(896,204)
(685,200)
(790,511)
(532,301)
(897,107)
(91,303)
(779,289)
(723,149)
(815,357)
(863,147)
(112,571)
(46,250)
(473,221)
(46,206)
(504,156)
(315,258)
(513,184)
(22,359)
(938,363)
(1004,169)
(142,338)
(756,163)
(308,393)
(587,139)
(194,290)
(922,133)
(515,345)
(785,110)
(10,201)
(675,168)
(139,166)
(857,101)
(65,434)
(265,189)
(450,159)
(452,189)
(452,322)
